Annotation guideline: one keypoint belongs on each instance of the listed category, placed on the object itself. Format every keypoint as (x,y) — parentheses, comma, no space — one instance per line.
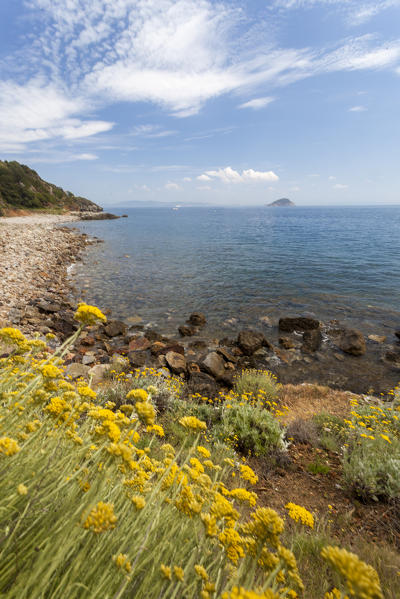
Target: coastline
(37,295)
(35,252)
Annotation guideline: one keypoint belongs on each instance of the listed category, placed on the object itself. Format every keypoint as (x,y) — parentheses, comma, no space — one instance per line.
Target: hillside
(283,202)
(21,188)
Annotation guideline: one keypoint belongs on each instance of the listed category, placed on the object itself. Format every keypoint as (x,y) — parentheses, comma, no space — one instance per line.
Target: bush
(251,430)
(371,469)
(256,382)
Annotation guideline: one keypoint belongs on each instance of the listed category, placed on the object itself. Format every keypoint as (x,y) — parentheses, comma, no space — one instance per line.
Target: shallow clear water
(336,262)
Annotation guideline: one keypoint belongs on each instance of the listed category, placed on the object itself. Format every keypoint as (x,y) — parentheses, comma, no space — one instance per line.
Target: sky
(205,102)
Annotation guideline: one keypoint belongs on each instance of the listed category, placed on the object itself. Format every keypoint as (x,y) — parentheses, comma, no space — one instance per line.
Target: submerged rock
(115,328)
(197,319)
(312,340)
(352,342)
(298,323)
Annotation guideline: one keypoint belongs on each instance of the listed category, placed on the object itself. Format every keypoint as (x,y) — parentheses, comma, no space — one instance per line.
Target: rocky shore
(35,253)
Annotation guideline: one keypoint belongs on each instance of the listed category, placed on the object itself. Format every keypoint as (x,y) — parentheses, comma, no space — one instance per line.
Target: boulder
(49,306)
(393,356)
(250,341)
(76,370)
(139,344)
(397,333)
(98,372)
(227,355)
(213,364)
(312,340)
(298,323)
(187,330)
(115,328)
(352,342)
(193,367)
(138,358)
(197,319)
(88,359)
(200,382)
(158,348)
(176,362)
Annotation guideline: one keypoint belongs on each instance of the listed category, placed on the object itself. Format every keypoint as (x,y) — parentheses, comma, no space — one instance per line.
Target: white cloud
(340,186)
(355,12)
(172,186)
(331,178)
(357,109)
(257,103)
(180,53)
(187,179)
(229,175)
(36,112)
(151,131)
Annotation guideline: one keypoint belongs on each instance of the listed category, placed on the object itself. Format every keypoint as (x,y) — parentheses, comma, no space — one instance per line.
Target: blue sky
(198,101)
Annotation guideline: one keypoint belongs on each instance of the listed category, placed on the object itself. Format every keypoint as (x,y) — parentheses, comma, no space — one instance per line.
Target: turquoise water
(244,263)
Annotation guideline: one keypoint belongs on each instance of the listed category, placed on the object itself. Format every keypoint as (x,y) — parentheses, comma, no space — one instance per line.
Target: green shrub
(371,469)
(318,467)
(251,430)
(332,431)
(256,381)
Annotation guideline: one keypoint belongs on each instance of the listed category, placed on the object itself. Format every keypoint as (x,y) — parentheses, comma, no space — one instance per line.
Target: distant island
(283,202)
(21,188)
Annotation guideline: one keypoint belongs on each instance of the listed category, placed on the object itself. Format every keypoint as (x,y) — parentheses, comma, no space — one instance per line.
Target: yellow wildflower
(89,314)
(166,571)
(139,394)
(138,501)
(146,412)
(361,579)
(179,573)
(300,514)
(201,572)
(22,489)
(49,371)
(248,474)
(203,451)
(86,391)
(122,561)
(101,518)
(8,446)
(193,423)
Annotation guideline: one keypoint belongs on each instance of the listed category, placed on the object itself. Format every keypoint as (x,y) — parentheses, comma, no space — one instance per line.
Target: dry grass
(306,400)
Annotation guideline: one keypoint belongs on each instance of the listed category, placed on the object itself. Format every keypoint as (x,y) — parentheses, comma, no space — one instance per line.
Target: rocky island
(281,203)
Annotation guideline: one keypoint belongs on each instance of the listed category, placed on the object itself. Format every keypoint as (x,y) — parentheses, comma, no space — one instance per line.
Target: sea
(245,267)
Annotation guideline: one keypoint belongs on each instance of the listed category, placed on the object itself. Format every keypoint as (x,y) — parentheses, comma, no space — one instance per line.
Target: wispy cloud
(176,54)
(358,109)
(257,103)
(340,186)
(151,131)
(229,175)
(355,12)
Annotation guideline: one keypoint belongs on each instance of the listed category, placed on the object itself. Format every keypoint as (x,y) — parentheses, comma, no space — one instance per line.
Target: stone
(76,370)
(312,340)
(153,336)
(352,342)
(141,343)
(157,348)
(176,362)
(339,357)
(393,356)
(48,306)
(98,372)
(198,344)
(115,328)
(193,367)
(132,320)
(213,364)
(250,341)
(397,333)
(287,342)
(202,383)
(266,321)
(186,330)
(175,347)
(227,355)
(197,319)
(88,359)
(377,338)
(137,358)
(298,323)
